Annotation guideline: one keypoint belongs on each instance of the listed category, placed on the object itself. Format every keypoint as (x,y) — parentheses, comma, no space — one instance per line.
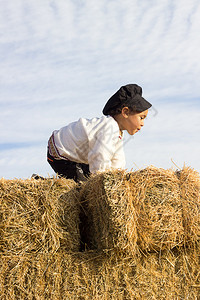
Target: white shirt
(96,142)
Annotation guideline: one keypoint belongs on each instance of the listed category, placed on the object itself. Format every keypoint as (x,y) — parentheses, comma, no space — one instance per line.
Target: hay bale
(172,275)
(190,197)
(65,276)
(156,199)
(111,220)
(32,276)
(38,216)
(111,201)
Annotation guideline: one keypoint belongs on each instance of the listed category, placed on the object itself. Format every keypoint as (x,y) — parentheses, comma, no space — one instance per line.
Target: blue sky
(61,60)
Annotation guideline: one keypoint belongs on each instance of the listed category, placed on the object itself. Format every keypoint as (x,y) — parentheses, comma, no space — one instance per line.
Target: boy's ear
(125,112)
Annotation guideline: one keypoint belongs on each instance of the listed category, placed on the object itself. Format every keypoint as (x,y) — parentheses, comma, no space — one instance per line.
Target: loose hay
(156,199)
(38,216)
(107,202)
(190,197)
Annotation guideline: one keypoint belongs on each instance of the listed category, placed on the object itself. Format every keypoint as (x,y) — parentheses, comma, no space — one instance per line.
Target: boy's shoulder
(98,119)
(103,120)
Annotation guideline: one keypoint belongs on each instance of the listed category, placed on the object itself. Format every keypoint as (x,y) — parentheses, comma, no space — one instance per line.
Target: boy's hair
(129,96)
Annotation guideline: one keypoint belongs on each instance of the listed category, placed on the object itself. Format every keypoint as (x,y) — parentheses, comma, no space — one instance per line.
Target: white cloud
(171,134)
(61,60)
(23,162)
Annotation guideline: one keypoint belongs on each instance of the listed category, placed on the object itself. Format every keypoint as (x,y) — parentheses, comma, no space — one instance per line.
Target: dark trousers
(69,169)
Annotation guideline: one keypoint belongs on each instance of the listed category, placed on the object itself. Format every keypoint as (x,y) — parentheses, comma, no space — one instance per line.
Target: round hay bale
(190,197)
(38,216)
(111,221)
(156,198)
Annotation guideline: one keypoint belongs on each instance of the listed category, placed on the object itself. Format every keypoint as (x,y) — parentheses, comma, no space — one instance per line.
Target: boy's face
(132,123)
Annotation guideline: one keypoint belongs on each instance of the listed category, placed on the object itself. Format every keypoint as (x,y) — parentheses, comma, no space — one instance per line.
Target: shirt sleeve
(102,149)
(118,159)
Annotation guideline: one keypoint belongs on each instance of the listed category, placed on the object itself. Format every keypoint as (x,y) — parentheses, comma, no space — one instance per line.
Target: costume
(95,142)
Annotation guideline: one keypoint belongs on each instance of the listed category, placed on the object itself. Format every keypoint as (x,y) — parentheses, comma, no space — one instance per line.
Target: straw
(111,220)
(38,216)
(157,202)
(190,197)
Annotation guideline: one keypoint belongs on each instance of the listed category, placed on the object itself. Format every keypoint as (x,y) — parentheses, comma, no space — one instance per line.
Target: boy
(95,145)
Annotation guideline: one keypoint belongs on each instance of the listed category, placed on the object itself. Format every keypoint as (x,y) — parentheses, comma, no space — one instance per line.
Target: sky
(62,60)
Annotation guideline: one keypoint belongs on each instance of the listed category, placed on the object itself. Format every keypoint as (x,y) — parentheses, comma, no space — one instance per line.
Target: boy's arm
(118,160)
(101,151)
(106,151)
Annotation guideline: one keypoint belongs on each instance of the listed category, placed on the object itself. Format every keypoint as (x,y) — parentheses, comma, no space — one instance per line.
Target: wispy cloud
(61,60)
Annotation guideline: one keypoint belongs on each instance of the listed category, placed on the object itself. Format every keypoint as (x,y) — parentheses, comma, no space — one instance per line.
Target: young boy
(95,145)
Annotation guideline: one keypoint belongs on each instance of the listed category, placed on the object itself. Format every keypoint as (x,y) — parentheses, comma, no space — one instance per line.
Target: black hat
(130,95)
